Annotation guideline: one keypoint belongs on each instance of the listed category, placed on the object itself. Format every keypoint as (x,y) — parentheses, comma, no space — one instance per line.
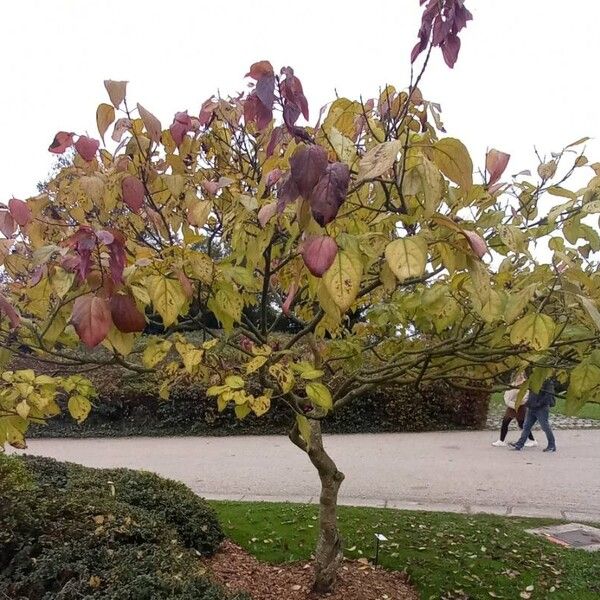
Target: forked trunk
(329,552)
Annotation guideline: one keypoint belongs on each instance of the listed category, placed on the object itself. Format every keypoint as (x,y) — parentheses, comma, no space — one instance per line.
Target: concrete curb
(545,512)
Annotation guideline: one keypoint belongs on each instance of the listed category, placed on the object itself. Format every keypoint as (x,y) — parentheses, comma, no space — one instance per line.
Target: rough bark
(329,551)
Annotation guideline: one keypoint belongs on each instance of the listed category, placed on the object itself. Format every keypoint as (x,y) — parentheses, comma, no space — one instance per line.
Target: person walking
(538,409)
(510,399)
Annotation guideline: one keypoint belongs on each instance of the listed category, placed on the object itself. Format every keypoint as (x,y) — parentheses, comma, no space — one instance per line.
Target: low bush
(71,532)
(133,408)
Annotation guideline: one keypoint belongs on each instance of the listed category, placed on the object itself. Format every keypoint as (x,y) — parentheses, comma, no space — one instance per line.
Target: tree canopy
(366,232)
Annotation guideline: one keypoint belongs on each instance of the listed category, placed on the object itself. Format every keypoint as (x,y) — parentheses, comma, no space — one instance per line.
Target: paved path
(451,471)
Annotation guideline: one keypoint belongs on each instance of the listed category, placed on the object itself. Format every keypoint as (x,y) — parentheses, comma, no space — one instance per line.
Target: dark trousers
(541,416)
(509,415)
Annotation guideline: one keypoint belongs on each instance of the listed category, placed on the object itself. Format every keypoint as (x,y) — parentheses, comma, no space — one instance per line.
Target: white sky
(527,72)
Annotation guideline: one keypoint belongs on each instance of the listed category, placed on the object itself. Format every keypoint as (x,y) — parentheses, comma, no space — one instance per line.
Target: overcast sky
(527,73)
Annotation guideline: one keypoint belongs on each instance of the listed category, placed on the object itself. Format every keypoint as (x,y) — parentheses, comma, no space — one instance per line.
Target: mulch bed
(237,570)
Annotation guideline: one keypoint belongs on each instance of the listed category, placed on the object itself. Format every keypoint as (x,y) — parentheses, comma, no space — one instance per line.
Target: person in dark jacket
(538,409)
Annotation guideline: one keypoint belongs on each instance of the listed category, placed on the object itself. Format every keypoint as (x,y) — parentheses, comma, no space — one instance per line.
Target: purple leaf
(260,69)
(450,49)
(256,112)
(307,165)
(318,253)
(62,140)
(288,192)
(87,147)
(266,212)
(182,123)
(329,193)
(265,90)
(495,164)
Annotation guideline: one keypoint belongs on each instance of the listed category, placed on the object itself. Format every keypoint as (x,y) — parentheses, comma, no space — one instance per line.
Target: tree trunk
(329,552)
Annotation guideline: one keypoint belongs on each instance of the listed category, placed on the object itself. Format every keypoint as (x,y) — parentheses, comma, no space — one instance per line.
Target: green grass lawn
(447,556)
(588,411)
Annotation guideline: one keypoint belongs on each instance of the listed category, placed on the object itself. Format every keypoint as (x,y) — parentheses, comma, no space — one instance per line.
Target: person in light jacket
(538,409)
(510,399)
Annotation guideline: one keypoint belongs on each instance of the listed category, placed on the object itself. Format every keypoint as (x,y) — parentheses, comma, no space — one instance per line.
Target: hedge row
(70,532)
(132,407)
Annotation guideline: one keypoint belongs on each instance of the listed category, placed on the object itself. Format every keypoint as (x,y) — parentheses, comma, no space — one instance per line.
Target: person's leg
(542,416)
(521,419)
(504,427)
(527,426)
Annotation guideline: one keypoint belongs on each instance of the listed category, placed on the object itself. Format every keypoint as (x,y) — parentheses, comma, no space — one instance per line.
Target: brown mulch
(237,570)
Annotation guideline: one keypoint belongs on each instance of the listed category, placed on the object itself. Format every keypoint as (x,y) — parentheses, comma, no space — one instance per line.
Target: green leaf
(453,160)
(535,330)
(407,257)
(342,280)
(584,384)
(424,181)
(319,394)
(517,303)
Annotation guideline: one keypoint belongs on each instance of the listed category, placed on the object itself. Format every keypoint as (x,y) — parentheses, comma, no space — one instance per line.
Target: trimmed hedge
(131,407)
(65,535)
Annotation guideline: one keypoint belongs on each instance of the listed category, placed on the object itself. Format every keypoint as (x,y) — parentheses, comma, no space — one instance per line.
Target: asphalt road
(450,471)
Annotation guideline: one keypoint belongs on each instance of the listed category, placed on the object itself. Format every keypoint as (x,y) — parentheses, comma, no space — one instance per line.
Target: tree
(368,231)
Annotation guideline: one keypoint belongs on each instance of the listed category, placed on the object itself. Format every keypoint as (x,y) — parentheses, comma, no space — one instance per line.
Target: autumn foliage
(374,232)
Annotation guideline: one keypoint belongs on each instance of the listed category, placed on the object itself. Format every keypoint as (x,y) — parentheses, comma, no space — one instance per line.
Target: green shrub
(64,535)
(135,409)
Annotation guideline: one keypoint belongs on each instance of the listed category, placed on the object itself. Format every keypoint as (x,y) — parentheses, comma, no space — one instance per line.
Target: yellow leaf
(260,405)
(535,330)
(197,210)
(61,281)
(164,391)
(242,411)
(319,394)
(210,344)
(167,296)
(222,402)
(201,265)
(227,306)
(116,91)
(264,350)
(256,363)
(342,280)
(234,382)
(151,123)
(453,160)
(93,187)
(155,352)
(119,341)
(304,429)
(407,257)
(191,355)
(344,147)
(378,160)
(283,375)
(23,409)
(79,407)
(105,115)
